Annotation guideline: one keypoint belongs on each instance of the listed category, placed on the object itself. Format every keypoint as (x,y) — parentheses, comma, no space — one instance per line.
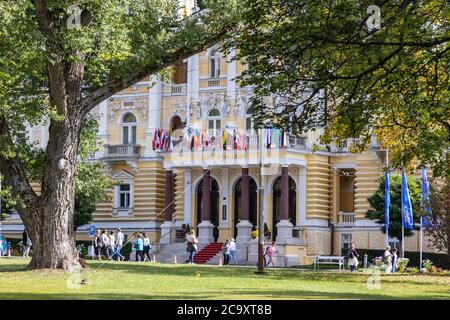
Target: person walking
(24,241)
(111,245)
(352,258)
(26,252)
(226,252)
(191,245)
(139,245)
(97,244)
(147,247)
(394,260)
(271,251)
(104,239)
(119,243)
(387,258)
(233,250)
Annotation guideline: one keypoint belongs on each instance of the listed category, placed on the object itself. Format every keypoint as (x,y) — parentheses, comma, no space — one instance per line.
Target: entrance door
(276,207)
(253,203)
(214,211)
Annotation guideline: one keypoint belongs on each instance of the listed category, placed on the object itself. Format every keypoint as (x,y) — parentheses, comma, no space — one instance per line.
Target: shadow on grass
(211,295)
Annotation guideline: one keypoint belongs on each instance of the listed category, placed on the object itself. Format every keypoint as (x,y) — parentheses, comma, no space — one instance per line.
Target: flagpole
(421,223)
(403,222)
(386,239)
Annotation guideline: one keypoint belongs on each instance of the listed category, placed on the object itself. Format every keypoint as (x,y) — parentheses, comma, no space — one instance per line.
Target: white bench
(318,260)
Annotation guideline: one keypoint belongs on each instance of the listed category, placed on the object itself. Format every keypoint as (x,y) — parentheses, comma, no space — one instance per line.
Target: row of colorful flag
(162,140)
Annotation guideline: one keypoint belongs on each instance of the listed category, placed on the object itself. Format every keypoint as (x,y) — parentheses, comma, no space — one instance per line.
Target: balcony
(174,90)
(346,219)
(122,152)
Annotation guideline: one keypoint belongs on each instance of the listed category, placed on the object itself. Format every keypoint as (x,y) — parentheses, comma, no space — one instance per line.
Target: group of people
(390,259)
(229,251)
(143,248)
(109,244)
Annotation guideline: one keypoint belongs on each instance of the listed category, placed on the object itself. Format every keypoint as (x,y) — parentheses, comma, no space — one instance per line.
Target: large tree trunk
(52,227)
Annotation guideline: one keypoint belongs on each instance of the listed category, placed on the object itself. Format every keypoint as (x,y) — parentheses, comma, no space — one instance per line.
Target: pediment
(123,175)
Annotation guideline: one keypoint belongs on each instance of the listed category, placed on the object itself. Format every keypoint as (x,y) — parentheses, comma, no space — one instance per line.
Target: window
(129,129)
(124,195)
(394,243)
(214,64)
(214,122)
(249,123)
(346,241)
(347,190)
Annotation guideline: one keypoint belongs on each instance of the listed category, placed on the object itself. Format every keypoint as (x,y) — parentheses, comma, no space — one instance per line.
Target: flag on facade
(407,213)
(387,200)
(427,217)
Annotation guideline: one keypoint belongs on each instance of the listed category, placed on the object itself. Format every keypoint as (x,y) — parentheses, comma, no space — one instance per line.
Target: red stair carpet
(208,252)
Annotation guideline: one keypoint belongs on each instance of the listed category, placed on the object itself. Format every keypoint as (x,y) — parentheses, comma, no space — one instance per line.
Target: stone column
(244,227)
(154,114)
(205,228)
(168,228)
(284,227)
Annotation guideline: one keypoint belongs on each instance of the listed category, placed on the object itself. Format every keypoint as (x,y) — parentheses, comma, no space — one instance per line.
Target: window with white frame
(124,196)
(394,243)
(346,241)
(129,129)
(214,122)
(214,64)
(249,123)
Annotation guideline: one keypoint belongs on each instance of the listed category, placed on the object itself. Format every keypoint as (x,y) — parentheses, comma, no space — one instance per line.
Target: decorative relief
(116,107)
(293,170)
(242,104)
(213,101)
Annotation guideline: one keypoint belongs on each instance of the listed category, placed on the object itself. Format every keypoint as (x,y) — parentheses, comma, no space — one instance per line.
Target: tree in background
(376,202)
(440,207)
(58,60)
(355,68)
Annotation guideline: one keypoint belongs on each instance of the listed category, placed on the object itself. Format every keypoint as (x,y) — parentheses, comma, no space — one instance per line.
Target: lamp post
(260,208)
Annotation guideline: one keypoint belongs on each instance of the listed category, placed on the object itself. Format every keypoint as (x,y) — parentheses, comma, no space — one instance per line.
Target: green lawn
(126,280)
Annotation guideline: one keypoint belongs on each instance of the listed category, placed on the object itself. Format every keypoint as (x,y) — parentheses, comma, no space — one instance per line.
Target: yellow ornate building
(314,202)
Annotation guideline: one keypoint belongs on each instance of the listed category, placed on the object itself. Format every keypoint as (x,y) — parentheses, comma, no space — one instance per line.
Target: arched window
(276,209)
(214,64)
(214,122)
(129,129)
(249,123)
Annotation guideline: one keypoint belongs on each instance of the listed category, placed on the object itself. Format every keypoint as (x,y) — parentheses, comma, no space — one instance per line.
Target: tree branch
(13,170)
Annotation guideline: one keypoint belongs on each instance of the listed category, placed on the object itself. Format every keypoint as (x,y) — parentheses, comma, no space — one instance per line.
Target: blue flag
(426,218)
(407,214)
(387,200)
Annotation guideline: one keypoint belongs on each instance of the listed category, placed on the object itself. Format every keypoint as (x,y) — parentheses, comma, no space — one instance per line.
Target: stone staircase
(207,254)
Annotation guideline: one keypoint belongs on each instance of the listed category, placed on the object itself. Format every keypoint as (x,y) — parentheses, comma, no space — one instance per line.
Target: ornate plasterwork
(116,107)
(180,109)
(212,101)
(242,104)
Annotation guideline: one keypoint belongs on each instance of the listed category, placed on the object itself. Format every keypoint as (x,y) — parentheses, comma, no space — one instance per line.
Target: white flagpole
(386,239)
(403,222)
(421,226)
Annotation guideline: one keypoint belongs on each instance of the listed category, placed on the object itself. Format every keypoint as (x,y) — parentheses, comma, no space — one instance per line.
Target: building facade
(314,198)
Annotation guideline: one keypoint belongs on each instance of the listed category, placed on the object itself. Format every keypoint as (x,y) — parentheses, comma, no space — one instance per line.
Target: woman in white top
(191,245)
(233,250)
(147,248)
(111,245)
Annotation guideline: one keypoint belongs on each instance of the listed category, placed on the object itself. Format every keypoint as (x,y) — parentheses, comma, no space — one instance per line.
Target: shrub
(402,263)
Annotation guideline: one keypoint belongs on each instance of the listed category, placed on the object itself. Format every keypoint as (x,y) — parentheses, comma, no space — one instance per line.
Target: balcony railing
(347,218)
(122,151)
(174,89)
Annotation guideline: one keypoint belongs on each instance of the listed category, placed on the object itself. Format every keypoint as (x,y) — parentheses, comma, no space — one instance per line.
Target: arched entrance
(253,203)
(214,217)
(276,205)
